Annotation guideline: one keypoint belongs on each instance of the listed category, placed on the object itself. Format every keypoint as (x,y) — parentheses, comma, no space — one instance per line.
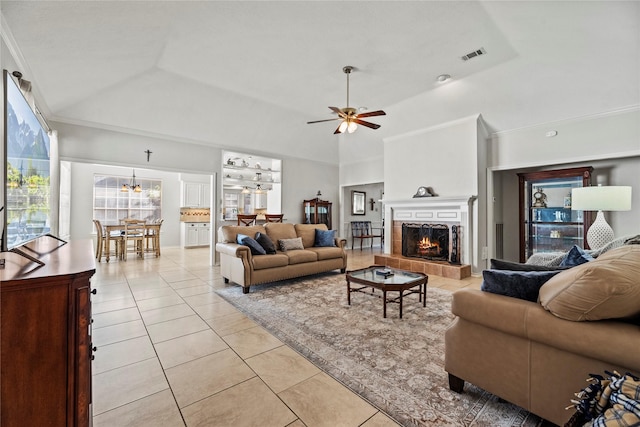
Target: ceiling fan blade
(338,129)
(338,112)
(371,114)
(327,120)
(367,124)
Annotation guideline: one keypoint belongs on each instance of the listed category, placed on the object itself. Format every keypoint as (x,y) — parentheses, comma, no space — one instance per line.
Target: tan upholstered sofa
(535,358)
(239,265)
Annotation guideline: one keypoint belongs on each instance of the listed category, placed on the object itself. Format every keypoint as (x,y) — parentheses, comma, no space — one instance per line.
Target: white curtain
(54,171)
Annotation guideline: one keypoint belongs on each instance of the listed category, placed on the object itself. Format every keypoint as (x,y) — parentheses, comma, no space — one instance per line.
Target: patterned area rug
(395,364)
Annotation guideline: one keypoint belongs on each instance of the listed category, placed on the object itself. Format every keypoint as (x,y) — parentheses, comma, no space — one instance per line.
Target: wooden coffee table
(400,281)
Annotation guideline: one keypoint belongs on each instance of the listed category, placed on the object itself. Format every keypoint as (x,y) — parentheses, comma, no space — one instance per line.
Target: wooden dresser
(45,335)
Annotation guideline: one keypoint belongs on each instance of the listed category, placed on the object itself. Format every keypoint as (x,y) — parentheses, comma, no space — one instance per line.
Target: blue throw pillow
(575,256)
(254,246)
(516,284)
(266,242)
(325,238)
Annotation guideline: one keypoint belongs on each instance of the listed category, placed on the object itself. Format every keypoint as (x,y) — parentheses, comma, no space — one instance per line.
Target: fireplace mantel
(434,210)
(431,201)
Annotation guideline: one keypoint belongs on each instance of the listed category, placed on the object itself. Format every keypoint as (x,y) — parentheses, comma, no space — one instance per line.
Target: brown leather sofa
(524,354)
(238,265)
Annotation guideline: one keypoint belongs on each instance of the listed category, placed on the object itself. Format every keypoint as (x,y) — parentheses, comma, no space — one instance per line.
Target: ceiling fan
(349,116)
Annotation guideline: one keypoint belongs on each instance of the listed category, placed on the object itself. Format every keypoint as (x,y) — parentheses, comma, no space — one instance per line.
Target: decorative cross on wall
(372,202)
(148,154)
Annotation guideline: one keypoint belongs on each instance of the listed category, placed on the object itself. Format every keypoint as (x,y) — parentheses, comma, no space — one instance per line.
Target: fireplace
(437,242)
(455,212)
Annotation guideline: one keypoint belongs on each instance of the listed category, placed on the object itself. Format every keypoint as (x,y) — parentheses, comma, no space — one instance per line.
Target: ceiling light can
(443,78)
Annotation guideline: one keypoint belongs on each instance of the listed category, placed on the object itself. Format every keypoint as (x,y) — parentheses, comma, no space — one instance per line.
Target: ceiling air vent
(473,54)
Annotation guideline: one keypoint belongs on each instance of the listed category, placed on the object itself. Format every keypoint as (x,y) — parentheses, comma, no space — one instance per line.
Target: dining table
(151,229)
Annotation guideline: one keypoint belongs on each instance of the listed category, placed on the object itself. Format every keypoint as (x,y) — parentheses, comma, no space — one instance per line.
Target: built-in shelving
(250,184)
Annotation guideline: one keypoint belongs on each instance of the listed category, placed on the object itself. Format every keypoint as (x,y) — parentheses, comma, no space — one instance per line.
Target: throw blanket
(555,258)
(610,402)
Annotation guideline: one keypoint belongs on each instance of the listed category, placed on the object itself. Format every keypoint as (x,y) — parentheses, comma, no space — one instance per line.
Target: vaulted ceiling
(250,74)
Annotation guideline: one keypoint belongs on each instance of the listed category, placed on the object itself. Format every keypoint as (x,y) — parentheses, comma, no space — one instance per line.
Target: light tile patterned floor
(173,353)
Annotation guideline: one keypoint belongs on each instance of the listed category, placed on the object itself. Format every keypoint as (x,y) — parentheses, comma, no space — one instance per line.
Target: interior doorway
(373,210)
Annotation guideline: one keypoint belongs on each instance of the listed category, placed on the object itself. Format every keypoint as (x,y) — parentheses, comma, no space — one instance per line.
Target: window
(110,204)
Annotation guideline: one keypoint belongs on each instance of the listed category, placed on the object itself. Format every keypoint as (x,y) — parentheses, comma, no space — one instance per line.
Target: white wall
(362,171)
(92,145)
(82,199)
(612,135)
(443,157)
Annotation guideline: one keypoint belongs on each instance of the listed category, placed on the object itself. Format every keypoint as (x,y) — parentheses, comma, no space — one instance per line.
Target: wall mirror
(358,202)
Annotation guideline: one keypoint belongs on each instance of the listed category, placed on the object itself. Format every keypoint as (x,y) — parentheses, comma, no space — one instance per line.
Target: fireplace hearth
(436,242)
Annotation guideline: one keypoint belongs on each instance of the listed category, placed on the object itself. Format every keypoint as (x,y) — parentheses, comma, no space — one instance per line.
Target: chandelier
(133,185)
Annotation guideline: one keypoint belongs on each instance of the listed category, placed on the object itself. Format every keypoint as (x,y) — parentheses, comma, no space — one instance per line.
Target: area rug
(395,364)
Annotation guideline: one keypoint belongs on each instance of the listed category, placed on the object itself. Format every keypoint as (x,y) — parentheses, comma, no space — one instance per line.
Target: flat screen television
(27,170)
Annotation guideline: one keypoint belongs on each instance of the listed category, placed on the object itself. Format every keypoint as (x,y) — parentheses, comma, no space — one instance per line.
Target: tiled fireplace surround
(432,210)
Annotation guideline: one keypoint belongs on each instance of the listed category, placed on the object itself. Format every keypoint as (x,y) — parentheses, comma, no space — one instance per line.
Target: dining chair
(124,221)
(101,242)
(273,217)
(152,234)
(133,239)
(247,219)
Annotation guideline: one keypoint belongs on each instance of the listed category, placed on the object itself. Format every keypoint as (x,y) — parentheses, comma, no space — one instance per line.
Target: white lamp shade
(609,198)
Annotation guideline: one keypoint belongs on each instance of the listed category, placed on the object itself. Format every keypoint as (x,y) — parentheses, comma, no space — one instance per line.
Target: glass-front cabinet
(317,211)
(547,222)
(250,185)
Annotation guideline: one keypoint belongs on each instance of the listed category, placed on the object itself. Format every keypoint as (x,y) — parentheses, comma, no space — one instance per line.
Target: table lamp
(608,198)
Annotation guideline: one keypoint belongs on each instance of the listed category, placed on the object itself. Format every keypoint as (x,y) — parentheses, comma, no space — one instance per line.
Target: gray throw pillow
(290,244)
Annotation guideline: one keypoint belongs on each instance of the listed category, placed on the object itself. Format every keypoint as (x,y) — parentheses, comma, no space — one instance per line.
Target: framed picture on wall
(358,202)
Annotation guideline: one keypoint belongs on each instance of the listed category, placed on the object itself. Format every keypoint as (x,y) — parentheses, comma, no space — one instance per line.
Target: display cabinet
(547,222)
(317,211)
(250,184)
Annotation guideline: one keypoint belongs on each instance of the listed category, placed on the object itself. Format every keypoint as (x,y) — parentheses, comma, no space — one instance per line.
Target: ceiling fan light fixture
(351,117)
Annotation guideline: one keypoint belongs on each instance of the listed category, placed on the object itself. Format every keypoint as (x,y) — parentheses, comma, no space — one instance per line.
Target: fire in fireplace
(429,241)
